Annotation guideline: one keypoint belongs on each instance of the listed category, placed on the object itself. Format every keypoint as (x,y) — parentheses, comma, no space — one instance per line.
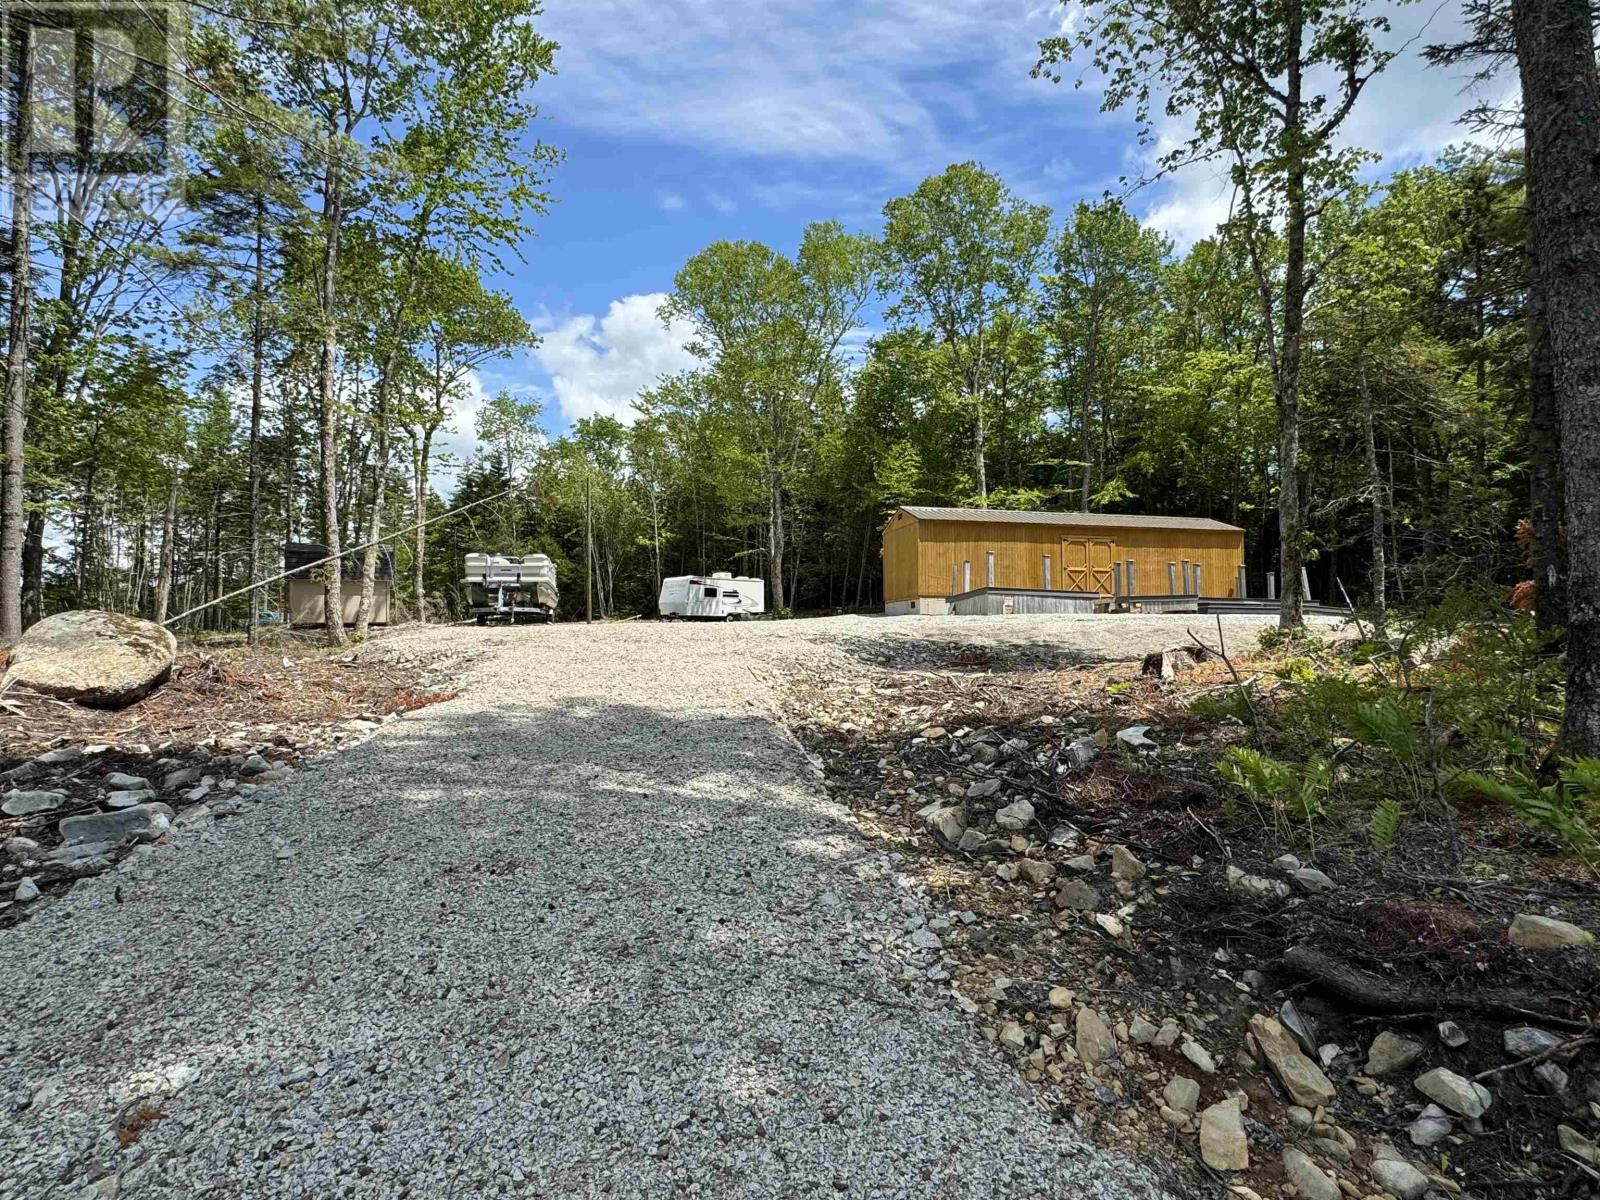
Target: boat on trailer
(511,589)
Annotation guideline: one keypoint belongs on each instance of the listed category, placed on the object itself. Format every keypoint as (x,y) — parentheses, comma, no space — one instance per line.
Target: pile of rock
(121,810)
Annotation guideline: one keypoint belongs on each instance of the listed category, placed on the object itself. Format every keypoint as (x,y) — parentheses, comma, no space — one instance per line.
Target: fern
(1267,780)
(1562,807)
(1384,723)
(1384,825)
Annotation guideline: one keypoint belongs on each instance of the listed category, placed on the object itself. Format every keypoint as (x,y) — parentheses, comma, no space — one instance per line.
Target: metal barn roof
(1005,516)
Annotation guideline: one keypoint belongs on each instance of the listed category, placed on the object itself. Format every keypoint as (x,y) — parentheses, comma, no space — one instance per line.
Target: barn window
(955,584)
(1047,572)
(966,576)
(991,568)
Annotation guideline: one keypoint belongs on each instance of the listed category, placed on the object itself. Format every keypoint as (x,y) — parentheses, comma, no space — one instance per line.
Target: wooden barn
(933,556)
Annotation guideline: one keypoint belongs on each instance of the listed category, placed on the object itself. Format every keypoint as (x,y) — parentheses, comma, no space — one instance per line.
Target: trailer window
(711,593)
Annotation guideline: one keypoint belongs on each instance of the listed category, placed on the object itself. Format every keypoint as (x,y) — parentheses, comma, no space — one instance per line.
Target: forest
(1357,366)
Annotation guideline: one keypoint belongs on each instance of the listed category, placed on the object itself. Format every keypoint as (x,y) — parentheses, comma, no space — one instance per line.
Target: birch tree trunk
(14,417)
(169,539)
(327,394)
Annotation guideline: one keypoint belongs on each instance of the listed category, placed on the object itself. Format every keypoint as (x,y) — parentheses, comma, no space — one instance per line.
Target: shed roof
(1006,516)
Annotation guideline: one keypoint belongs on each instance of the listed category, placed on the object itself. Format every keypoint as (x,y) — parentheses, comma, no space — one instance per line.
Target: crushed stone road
(589,929)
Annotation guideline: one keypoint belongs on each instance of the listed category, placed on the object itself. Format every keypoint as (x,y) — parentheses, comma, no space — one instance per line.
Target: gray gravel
(590,928)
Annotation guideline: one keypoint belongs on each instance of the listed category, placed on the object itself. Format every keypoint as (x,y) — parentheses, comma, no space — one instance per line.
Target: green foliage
(1569,807)
(1282,789)
(1383,827)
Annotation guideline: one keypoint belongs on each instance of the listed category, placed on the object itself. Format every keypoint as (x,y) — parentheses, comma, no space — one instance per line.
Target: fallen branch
(1369,992)
(1565,1047)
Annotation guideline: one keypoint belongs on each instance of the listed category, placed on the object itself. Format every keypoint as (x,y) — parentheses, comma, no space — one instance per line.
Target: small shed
(933,554)
(305,601)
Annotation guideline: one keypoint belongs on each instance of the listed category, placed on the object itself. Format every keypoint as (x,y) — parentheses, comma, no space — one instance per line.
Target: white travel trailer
(508,588)
(719,597)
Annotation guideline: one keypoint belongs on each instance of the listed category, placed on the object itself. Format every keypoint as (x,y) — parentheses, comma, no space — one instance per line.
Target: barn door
(1086,564)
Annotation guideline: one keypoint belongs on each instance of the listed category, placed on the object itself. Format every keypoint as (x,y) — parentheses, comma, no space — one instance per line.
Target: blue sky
(685,121)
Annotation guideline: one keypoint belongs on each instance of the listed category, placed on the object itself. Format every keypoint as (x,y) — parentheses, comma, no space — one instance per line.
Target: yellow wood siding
(900,559)
(920,558)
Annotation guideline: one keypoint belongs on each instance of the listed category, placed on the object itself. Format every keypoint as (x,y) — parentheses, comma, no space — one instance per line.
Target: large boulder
(101,659)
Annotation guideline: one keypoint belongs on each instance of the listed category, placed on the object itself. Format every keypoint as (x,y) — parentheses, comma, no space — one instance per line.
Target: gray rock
(1431,1127)
(182,777)
(1551,1078)
(1391,1052)
(1223,1144)
(1134,737)
(61,756)
(143,821)
(1312,880)
(22,804)
(118,781)
(1182,1093)
(1577,1144)
(23,773)
(1078,896)
(1525,1041)
(1082,863)
(1141,1031)
(127,799)
(1082,752)
(102,659)
(1095,1042)
(27,890)
(926,939)
(945,820)
(1532,932)
(1399,1178)
(76,854)
(1452,1035)
(975,841)
(1287,863)
(1197,1054)
(1312,1181)
(21,849)
(1254,885)
(1299,1027)
(1125,865)
(979,790)
(1458,1094)
(1036,872)
(1301,1078)
(1015,817)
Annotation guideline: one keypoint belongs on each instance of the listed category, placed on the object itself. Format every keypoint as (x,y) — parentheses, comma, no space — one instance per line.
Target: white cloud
(670,202)
(862,82)
(599,364)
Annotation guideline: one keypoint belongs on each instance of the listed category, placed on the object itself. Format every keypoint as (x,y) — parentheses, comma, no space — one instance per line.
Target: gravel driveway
(588,929)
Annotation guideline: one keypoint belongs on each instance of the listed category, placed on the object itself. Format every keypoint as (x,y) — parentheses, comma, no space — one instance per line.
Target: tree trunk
(33,568)
(1379,570)
(775,538)
(169,541)
(257,338)
(1544,458)
(977,449)
(1287,384)
(1091,368)
(1561,114)
(14,417)
(419,553)
(327,395)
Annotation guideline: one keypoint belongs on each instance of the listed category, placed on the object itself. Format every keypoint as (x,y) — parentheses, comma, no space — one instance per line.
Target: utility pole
(588,550)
